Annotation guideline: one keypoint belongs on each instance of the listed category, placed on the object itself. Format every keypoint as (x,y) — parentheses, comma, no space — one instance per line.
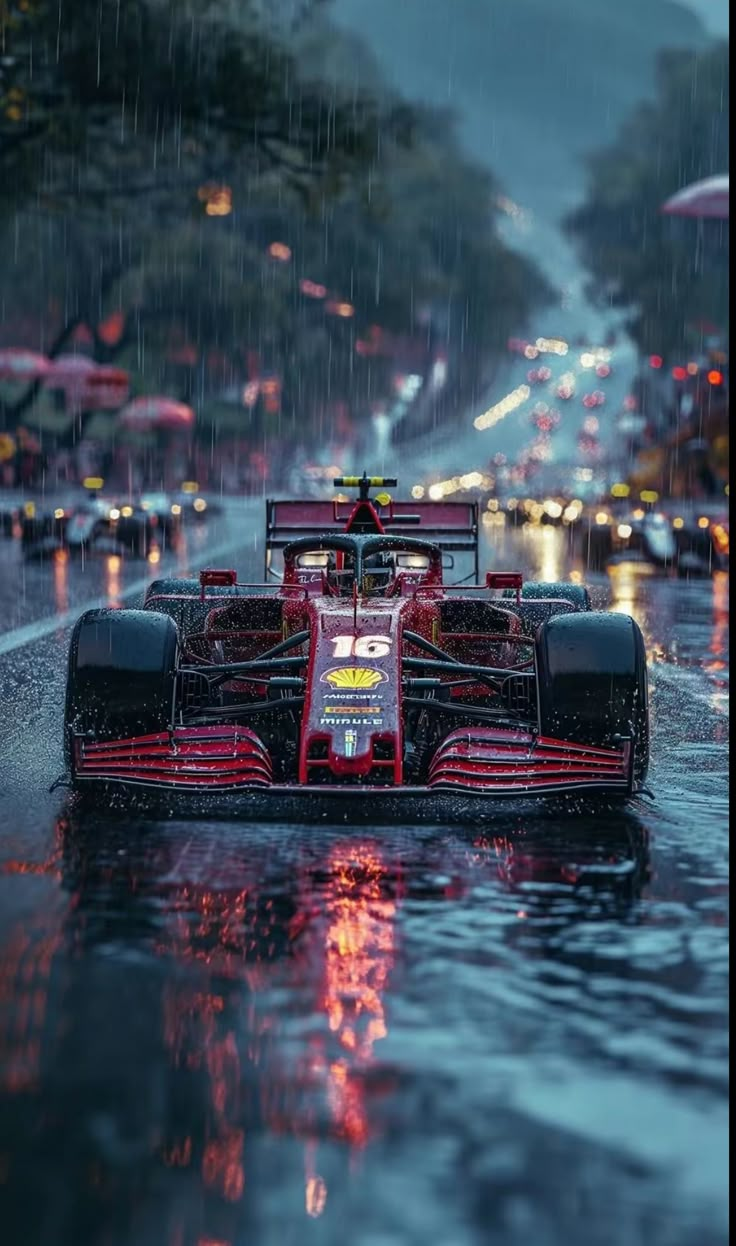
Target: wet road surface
(507,1030)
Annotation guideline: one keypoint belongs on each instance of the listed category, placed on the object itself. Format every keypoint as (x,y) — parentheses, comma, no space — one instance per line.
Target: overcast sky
(713,13)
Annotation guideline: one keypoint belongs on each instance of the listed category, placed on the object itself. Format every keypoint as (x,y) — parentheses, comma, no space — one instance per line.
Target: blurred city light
(312,289)
(250,393)
(502,408)
(279,251)
(346,310)
(551,346)
(218,200)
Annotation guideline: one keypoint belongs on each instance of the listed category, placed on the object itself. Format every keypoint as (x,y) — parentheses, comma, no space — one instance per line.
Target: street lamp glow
(345,310)
(279,251)
(312,289)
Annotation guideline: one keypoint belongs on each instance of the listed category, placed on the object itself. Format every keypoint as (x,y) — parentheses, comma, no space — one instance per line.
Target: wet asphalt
(502,1029)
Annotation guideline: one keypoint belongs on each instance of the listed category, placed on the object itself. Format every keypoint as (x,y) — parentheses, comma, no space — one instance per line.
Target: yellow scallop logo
(354,677)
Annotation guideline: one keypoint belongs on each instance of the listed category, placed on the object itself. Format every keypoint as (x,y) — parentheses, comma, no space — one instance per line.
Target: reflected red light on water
(25,971)
(179,1154)
(313,289)
(61,581)
(359,950)
(222,1165)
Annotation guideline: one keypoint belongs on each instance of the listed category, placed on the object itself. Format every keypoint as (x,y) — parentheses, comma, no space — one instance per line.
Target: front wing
(486,762)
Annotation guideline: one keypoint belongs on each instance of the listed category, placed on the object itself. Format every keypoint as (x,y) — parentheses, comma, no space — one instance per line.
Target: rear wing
(453,526)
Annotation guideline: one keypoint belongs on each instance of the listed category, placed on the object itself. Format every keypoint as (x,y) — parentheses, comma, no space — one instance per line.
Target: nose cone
(352,726)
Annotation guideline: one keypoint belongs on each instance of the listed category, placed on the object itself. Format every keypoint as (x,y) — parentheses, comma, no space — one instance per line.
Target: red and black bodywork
(360,673)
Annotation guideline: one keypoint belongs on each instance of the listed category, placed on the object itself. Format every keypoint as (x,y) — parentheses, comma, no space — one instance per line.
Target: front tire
(592,682)
(121,676)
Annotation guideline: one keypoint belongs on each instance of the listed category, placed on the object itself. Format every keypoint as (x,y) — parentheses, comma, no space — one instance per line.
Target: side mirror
(505,579)
(216,578)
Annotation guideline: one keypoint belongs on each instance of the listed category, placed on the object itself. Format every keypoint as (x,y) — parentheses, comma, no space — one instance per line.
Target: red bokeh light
(655,361)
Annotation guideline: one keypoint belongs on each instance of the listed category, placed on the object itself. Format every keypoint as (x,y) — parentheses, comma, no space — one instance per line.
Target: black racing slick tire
(121,676)
(592,682)
(180,600)
(541,600)
(561,590)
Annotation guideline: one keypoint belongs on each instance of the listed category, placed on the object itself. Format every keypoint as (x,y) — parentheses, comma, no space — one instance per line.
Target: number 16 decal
(361,646)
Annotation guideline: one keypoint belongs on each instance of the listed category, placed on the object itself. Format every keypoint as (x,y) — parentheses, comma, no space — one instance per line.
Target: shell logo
(354,677)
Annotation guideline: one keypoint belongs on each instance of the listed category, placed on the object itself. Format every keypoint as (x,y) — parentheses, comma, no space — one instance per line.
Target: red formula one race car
(360,672)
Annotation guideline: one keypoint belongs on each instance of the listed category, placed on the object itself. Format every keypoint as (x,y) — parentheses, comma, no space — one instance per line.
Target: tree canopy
(671,274)
(192,137)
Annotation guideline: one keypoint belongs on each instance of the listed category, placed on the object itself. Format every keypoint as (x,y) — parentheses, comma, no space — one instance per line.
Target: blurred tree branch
(667,273)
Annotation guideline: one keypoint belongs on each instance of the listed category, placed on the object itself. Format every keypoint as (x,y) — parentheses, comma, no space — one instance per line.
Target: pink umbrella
(105,388)
(708,198)
(144,414)
(22,365)
(65,367)
(71,373)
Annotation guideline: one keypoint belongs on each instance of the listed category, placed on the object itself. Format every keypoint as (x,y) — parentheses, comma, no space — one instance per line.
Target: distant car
(9,516)
(647,538)
(104,525)
(702,545)
(193,505)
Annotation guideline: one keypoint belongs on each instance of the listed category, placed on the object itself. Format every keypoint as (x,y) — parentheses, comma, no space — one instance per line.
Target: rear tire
(184,606)
(576,594)
(592,682)
(539,602)
(121,676)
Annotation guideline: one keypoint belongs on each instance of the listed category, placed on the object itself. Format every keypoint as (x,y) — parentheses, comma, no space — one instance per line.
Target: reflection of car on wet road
(361,672)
